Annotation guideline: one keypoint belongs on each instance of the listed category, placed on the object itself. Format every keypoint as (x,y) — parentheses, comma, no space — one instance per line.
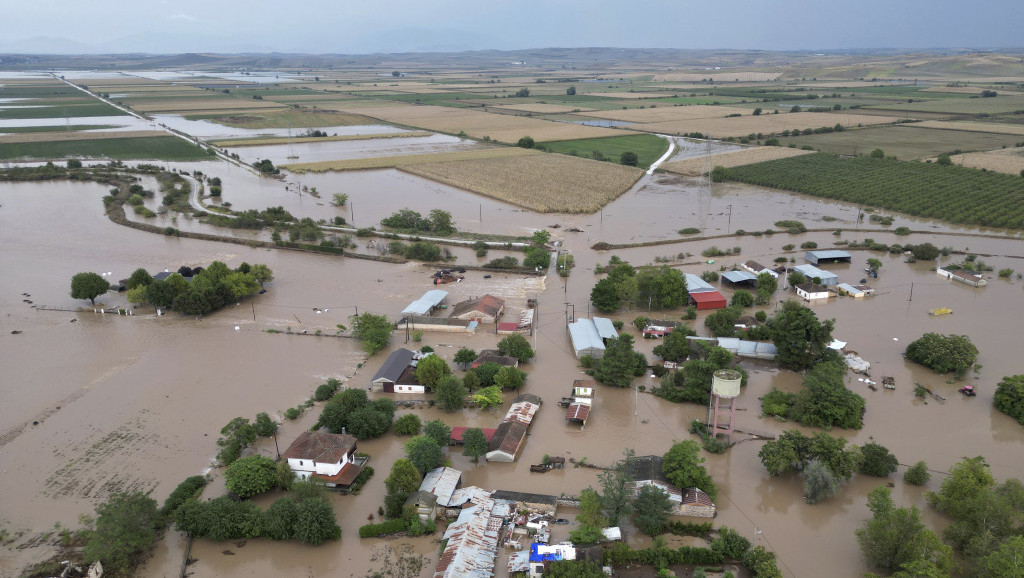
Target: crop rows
(407,160)
(251,142)
(951,193)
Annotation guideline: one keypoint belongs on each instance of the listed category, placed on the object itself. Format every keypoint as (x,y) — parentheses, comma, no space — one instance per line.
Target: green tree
(825,401)
(943,353)
(820,483)
(523,92)
(651,510)
(368,422)
(374,331)
(605,296)
(540,237)
(279,519)
(767,285)
(517,346)
(537,258)
(464,356)
(895,537)
(315,523)
(800,338)
(730,544)
(878,460)
(574,569)
(438,431)
(474,443)
(126,527)
(796,278)
(617,490)
(944,160)
(1007,561)
(682,466)
(404,478)
(250,476)
(485,372)
(590,519)
(265,427)
(88,286)
(139,278)
(526,142)
(336,412)
(571,91)
(441,222)
(722,323)
(742,298)
(430,369)
(424,453)
(877,154)
(874,264)
(509,378)
(471,380)
(661,287)
(488,397)
(917,474)
(620,364)
(675,345)
(925,252)
(408,425)
(235,437)
(762,563)
(719,174)
(1009,397)
(629,159)
(136,296)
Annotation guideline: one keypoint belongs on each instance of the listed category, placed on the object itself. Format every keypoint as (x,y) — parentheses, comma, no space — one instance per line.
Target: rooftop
(487,305)
(577,412)
(508,437)
(696,496)
(344,477)
(739,276)
(584,335)
(320,447)
(810,271)
(441,482)
(424,304)
(394,365)
(605,328)
(695,284)
(458,432)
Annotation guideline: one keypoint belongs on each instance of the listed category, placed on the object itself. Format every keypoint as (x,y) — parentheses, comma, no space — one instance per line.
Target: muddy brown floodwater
(94,404)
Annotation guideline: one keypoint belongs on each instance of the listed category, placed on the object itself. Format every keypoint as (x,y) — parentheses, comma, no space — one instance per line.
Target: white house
(811,291)
(329,457)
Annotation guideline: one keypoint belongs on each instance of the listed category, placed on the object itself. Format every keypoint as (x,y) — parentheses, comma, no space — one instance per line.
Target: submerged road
(664,157)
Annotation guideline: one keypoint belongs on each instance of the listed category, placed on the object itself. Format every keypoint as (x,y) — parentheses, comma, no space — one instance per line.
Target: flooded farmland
(95,404)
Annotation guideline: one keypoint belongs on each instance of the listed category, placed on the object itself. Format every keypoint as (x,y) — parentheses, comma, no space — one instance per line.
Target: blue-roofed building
(605,328)
(739,276)
(828,256)
(424,305)
(695,284)
(812,272)
(586,339)
(541,555)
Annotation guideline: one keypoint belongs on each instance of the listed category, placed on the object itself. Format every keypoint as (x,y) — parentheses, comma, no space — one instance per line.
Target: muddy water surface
(137,403)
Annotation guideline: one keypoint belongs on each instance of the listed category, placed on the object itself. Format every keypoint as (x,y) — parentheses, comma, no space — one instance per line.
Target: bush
(408,425)
(943,353)
(809,245)
(730,544)
(878,460)
(126,527)
(250,476)
(820,483)
(325,391)
(917,474)
(292,413)
(186,489)
(1009,397)
(388,527)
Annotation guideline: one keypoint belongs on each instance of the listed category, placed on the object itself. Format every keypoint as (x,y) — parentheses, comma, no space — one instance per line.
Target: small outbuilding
(827,256)
(507,443)
(740,277)
(442,482)
(425,304)
(708,300)
(391,372)
(425,504)
(495,356)
(695,284)
(757,268)
(697,503)
(855,290)
(812,291)
(586,340)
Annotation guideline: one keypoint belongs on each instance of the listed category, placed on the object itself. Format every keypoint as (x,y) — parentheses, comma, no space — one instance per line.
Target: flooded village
(118,397)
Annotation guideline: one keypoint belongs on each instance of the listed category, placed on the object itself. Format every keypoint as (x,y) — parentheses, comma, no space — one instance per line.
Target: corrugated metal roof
(605,328)
(424,304)
(739,276)
(522,412)
(585,337)
(815,256)
(442,483)
(695,284)
(394,366)
(577,412)
(472,544)
(712,296)
(810,271)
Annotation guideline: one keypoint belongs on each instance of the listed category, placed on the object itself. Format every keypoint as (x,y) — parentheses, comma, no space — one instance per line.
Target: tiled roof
(487,305)
(320,447)
(577,412)
(508,437)
(344,477)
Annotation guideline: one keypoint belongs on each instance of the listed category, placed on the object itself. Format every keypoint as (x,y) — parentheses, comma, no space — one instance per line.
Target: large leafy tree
(438,431)
(1009,397)
(374,331)
(590,519)
(517,346)
(820,483)
(450,393)
(800,338)
(605,296)
(315,522)
(126,527)
(825,401)
(682,465)
(404,478)
(88,286)
(474,443)
(430,369)
(895,538)
(792,451)
(1006,561)
(279,519)
(767,285)
(509,378)
(943,353)
(488,397)
(424,453)
(139,278)
(651,510)
(336,411)
(661,287)
(368,421)
(261,273)
(235,437)
(620,364)
(250,476)
(878,460)
(617,490)
(464,356)
(675,345)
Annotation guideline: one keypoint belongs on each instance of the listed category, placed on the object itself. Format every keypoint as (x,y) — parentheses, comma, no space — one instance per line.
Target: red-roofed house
(329,457)
(486,309)
(458,432)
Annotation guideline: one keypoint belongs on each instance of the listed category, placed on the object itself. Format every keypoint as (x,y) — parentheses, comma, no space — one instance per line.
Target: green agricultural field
(61,128)
(70,111)
(164,148)
(951,193)
(904,141)
(290,118)
(46,90)
(647,147)
(995,105)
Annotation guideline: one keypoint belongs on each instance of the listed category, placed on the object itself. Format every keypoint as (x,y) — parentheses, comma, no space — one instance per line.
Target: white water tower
(725,388)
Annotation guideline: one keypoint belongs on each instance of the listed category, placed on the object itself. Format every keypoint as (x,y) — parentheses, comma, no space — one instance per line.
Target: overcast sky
(368,26)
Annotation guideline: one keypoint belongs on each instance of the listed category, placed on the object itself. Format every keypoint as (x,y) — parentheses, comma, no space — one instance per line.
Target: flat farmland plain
(1010,161)
(904,141)
(695,166)
(408,160)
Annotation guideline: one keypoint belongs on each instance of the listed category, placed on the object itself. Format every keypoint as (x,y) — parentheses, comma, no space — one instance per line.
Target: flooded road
(137,402)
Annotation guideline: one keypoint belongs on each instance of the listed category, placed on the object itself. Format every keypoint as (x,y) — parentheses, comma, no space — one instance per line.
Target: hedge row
(388,527)
(620,555)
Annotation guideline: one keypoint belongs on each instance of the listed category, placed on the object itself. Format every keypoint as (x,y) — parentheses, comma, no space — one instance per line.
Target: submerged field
(169,148)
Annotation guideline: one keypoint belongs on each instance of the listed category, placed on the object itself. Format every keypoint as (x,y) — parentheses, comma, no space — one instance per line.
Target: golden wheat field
(666,113)
(499,127)
(765,123)
(409,160)
(538,108)
(1010,161)
(546,183)
(993,127)
(76,135)
(253,142)
(695,166)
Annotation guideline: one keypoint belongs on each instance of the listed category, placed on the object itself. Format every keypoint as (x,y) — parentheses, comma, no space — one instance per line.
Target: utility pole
(275,444)
(911,292)
(728,227)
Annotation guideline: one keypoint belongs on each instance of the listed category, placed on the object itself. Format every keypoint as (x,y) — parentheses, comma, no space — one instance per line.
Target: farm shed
(425,504)
(740,277)
(697,503)
(605,328)
(585,339)
(708,300)
(494,356)
(486,309)
(442,482)
(827,256)
(855,290)
(472,543)
(523,408)
(757,268)
(812,272)
(967,278)
(389,373)
(523,500)
(507,442)
(425,304)
(812,291)
(695,284)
